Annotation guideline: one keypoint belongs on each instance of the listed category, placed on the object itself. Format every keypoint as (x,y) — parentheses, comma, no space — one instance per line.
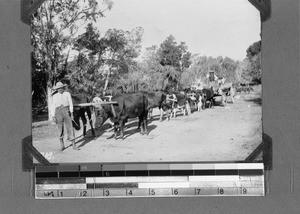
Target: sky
(208,27)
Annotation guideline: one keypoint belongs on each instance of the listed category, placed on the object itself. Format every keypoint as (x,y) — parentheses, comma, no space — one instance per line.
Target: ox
(129,105)
(195,99)
(177,102)
(227,89)
(200,99)
(155,100)
(208,96)
(80,111)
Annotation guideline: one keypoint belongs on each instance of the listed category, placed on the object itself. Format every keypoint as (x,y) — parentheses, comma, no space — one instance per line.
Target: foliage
(161,66)
(152,70)
(39,79)
(253,49)
(53,28)
(202,65)
(105,59)
(174,58)
(95,62)
(251,70)
(172,54)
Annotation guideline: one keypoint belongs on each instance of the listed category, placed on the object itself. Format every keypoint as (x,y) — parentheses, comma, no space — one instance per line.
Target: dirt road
(227,133)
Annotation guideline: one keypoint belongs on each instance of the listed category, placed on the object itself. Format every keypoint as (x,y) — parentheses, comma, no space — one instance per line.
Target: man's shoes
(62,145)
(74,145)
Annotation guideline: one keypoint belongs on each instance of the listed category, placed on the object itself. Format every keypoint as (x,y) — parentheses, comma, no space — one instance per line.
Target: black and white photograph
(142,81)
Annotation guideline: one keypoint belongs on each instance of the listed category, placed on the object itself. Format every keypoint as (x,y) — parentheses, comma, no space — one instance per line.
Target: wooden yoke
(97,104)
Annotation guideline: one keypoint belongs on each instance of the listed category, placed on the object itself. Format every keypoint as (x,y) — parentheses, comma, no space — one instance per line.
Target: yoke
(97,104)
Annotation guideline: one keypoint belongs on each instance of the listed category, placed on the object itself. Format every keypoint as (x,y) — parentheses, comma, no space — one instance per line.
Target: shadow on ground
(130,129)
(137,131)
(257,100)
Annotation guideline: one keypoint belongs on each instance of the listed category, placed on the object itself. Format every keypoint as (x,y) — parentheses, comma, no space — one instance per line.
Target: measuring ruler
(148,180)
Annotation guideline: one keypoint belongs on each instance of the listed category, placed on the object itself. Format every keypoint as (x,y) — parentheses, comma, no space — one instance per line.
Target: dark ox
(155,100)
(208,96)
(80,111)
(130,105)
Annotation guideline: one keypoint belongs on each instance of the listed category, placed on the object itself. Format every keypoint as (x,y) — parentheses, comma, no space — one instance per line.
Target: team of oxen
(122,107)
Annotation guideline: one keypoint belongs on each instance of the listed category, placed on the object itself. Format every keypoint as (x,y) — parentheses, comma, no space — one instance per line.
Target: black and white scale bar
(149,180)
(188,181)
(116,170)
(149,192)
(149,173)
(151,186)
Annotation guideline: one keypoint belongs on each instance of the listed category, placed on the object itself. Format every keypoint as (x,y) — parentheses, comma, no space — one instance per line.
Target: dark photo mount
(263,153)
(27,8)
(280,124)
(30,6)
(264,7)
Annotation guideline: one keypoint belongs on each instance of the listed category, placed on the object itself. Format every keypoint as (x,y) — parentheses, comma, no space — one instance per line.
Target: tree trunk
(49,102)
(106,83)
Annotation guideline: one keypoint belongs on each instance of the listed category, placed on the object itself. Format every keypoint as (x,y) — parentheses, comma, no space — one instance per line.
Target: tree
(228,69)
(244,71)
(186,60)
(175,57)
(53,29)
(201,65)
(197,70)
(109,57)
(39,87)
(254,59)
(151,68)
(172,54)
(253,49)
(85,70)
(122,48)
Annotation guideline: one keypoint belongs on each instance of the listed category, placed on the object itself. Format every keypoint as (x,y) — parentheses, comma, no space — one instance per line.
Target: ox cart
(225,90)
(219,92)
(217,88)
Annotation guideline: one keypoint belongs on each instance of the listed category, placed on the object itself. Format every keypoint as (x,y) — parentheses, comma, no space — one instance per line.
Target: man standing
(62,113)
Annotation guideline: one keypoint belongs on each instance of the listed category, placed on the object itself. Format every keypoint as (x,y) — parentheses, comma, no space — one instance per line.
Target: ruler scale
(149,180)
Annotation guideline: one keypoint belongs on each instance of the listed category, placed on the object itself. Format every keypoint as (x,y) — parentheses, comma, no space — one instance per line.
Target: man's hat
(59,85)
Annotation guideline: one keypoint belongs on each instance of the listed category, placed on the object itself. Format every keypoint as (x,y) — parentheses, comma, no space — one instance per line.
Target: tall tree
(151,68)
(175,55)
(53,29)
(85,70)
(122,49)
(109,57)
